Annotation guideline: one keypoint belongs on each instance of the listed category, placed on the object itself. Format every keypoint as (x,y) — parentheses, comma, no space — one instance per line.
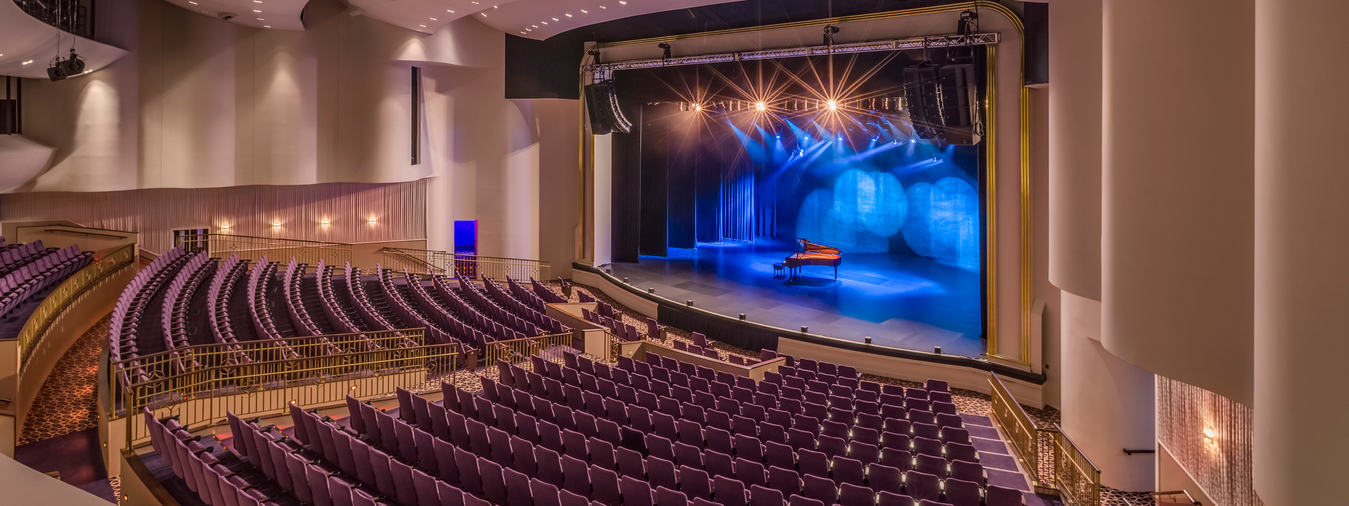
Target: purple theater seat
(900,459)
(812,462)
(544,494)
(778,454)
(969,471)
(469,479)
(574,444)
(630,463)
(550,465)
(931,465)
(800,439)
(635,492)
(846,470)
(688,455)
(493,481)
(500,442)
(1002,496)
(963,493)
(832,446)
(605,486)
(445,463)
(719,440)
(719,419)
(694,483)
(661,473)
(920,485)
(819,488)
(424,487)
(917,416)
(550,436)
(670,497)
(527,427)
(718,464)
(749,447)
(926,430)
(576,476)
(855,494)
(885,498)
(601,453)
(478,440)
(784,480)
(458,427)
(773,432)
(894,438)
(660,447)
(729,491)
(925,446)
(835,429)
(950,435)
(522,457)
(402,481)
(383,474)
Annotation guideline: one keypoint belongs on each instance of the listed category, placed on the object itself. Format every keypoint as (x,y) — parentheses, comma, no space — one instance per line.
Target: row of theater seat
(44,269)
(522,304)
(548,294)
(127,337)
(719,437)
(205,474)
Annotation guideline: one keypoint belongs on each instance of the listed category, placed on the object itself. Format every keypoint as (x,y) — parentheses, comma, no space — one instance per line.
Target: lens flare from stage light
(697,107)
(760,106)
(832,105)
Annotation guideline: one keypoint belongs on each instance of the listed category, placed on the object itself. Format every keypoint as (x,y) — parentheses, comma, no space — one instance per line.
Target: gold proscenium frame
(991,219)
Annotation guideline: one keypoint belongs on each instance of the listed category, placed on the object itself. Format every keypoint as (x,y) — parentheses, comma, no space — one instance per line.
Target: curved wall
(1301,277)
(1075,151)
(1178,190)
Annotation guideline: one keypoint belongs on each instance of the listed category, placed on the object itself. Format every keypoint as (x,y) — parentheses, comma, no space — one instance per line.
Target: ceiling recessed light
(569,14)
(257,11)
(603,7)
(527,30)
(193,3)
(27,62)
(259,19)
(621,2)
(433,19)
(423,26)
(484,14)
(449,11)
(583,11)
(522,33)
(544,22)
(475,2)
(266,26)
(554,19)
(535,26)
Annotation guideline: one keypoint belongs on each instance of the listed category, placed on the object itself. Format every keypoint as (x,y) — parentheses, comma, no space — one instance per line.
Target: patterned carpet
(1112,497)
(66,403)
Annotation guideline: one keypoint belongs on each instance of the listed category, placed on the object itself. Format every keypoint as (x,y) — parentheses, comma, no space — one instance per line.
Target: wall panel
(399,210)
(1221,463)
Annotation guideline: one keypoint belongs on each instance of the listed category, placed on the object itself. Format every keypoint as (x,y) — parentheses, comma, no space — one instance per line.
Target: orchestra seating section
(185,298)
(652,432)
(28,274)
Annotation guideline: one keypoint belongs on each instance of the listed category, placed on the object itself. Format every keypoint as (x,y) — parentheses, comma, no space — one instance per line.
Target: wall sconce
(276,225)
(225,227)
(324,222)
(372,220)
(1208,434)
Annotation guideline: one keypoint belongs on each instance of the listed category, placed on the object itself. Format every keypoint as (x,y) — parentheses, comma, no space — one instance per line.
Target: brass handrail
(516,351)
(423,261)
(1021,430)
(1077,479)
(255,379)
(59,300)
(253,248)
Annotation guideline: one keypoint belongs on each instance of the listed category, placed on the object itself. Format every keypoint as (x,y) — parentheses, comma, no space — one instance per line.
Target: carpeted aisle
(61,430)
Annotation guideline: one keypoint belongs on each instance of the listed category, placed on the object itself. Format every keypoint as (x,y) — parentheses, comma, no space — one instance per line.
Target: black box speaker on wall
(602,106)
(943,103)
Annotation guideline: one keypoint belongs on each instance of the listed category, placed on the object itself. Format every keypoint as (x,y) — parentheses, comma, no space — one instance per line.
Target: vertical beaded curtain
(399,210)
(1221,466)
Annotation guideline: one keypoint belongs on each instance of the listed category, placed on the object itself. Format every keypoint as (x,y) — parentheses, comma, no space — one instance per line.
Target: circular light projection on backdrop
(858,216)
(884,212)
(943,221)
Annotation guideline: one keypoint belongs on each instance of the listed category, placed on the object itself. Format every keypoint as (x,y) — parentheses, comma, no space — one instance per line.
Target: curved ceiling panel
(270,14)
(426,16)
(28,45)
(535,19)
(540,19)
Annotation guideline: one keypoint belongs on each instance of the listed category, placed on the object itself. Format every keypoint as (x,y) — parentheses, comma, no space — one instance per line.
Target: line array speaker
(602,106)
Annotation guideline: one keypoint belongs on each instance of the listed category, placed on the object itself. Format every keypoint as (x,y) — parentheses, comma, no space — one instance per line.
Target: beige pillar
(1177,253)
(1301,253)
(1108,404)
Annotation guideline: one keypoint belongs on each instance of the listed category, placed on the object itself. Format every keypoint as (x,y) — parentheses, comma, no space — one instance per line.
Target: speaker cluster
(63,68)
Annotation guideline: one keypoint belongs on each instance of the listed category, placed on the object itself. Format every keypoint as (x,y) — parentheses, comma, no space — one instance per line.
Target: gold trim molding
(1026,246)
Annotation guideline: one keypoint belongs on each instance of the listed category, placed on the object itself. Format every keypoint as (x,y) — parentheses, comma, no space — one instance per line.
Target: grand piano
(812,254)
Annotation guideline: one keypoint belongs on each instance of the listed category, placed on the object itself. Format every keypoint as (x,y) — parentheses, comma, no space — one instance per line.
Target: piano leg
(835,272)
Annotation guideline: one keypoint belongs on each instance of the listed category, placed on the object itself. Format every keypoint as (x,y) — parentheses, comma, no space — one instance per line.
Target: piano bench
(777,269)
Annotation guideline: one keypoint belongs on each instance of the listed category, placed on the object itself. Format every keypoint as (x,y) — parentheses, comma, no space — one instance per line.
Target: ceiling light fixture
(760,106)
(193,3)
(603,7)
(622,2)
(568,14)
(259,19)
(583,11)
(433,19)
(257,11)
(27,62)
(423,26)
(266,26)
(451,11)
(555,19)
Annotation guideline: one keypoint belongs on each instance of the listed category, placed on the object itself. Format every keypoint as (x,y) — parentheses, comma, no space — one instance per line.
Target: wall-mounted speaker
(602,106)
(944,104)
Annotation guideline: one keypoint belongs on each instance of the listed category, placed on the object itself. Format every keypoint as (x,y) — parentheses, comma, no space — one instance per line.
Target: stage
(903,301)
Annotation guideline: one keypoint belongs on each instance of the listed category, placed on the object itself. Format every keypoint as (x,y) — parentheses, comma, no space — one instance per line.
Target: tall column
(1178,190)
(1301,271)
(1107,403)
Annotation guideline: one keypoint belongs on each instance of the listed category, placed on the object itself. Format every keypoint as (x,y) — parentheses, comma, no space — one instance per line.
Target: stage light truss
(604,71)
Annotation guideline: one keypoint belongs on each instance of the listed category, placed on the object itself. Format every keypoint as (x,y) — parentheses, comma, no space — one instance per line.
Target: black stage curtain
(732,332)
(654,162)
(683,159)
(627,194)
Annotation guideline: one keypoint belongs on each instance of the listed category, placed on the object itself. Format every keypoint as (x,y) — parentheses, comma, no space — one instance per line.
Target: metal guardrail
(1018,425)
(1069,472)
(59,300)
(198,384)
(1078,480)
(518,351)
(254,248)
(435,262)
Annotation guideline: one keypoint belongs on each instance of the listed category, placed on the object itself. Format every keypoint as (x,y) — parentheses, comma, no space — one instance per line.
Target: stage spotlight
(697,107)
(760,106)
(832,105)
(664,51)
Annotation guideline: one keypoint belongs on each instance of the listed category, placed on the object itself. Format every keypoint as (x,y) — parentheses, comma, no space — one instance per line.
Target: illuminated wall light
(27,62)
(325,222)
(372,220)
(276,225)
(697,107)
(225,226)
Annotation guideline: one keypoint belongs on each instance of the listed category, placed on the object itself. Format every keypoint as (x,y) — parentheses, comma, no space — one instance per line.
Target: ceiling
(25,39)
(534,19)
(272,14)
